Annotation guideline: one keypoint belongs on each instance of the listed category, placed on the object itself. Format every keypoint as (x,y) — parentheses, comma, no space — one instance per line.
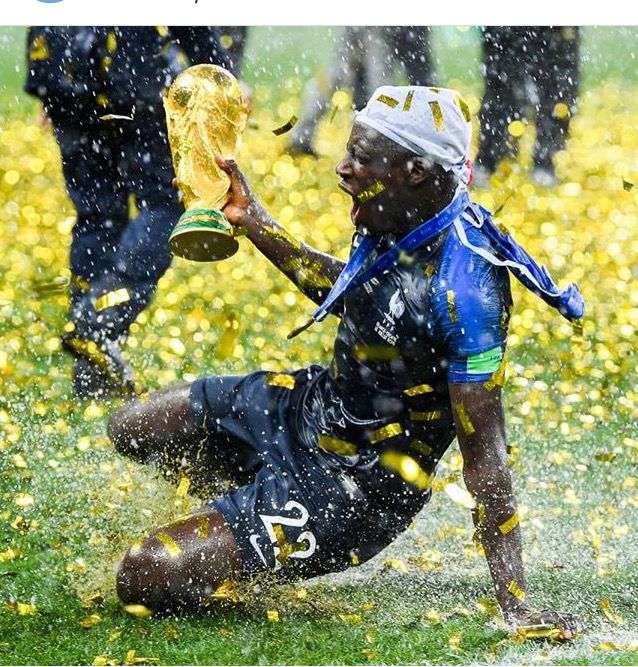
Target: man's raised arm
(313,272)
(480,428)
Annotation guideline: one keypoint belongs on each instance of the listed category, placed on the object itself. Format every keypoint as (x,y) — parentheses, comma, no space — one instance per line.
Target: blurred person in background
(527,66)
(101,88)
(366,57)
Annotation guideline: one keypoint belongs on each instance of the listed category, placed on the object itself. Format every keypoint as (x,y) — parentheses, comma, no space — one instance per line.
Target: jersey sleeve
(472,304)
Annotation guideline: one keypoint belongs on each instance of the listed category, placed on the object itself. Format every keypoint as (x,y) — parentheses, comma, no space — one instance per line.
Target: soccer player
(331,464)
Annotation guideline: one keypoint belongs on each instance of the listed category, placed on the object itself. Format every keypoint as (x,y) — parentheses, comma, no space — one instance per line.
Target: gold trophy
(206,115)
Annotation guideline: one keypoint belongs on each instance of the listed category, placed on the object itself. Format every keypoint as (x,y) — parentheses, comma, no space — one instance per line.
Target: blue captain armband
(476,367)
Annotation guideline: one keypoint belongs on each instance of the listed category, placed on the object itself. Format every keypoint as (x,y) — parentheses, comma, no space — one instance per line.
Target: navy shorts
(298,509)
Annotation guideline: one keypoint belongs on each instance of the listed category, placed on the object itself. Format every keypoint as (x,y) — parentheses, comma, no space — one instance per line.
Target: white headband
(431,122)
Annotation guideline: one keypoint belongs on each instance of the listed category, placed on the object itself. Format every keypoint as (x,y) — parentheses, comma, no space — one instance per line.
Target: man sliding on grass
(329,465)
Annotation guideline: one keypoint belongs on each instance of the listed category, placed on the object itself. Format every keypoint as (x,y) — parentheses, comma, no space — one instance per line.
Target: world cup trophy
(206,115)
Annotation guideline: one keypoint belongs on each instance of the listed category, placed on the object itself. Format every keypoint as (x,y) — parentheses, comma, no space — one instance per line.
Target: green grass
(579,508)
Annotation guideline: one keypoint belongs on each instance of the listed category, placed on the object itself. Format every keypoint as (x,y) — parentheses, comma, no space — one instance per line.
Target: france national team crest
(396,308)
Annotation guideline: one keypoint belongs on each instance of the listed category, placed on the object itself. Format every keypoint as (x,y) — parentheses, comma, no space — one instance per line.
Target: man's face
(374,163)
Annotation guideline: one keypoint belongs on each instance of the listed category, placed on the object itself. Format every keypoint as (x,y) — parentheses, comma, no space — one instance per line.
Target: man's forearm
(496,521)
(311,271)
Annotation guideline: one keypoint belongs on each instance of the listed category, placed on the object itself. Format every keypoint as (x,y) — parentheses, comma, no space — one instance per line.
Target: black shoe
(103,371)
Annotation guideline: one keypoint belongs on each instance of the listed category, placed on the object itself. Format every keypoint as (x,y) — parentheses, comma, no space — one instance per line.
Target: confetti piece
(418,390)
(169,544)
(539,632)
(272,615)
(226,632)
(407,105)
(429,415)
(460,496)
(138,610)
(227,591)
(354,559)
(605,607)
(280,380)
(301,593)
(353,619)
(23,500)
(92,601)
(335,108)
(627,186)
(111,299)
(104,660)
(509,525)
(10,554)
(516,591)
(90,621)
(132,659)
(489,606)
(395,564)
(55,286)
(455,641)
(21,608)
(183,486)
(451,305)
(286,549)
(463,106)
(115,635)
(464,418)
(421,447)
(370,654)
(407,467)
(437,114)
(114,116)
(388,101)
(286,127)
(202,527)
(370,192)
(337,446)
(386,432)
(482,514)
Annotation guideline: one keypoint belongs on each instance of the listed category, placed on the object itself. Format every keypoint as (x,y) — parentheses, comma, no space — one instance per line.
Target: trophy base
(203,235)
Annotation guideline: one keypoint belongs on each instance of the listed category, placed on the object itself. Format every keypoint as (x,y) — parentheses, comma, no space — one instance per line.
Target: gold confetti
(482,514)
(226,591)
(21,608)
(90,621)
(353,619)
(464,418)
(115,635)
(455,641)
(10,554)
(408,101)
(460,496)
(451,305)
(418,390)
(286,127)
(280,380)
(370,654)
(370,192)
(132,659)
(407,467)
(605,607)
(437,114)
(92,601)
(335,108)
(272,615)
(421,447)
(286,549)
(509,525)
(388,101)
(104,660)
(386,432)
(627,186)
(111,299)
(428,415)
(539,632)
(114,116)
(202,527)
(23,500)
(516,591)
(463,106)
(137,610)
(183,486)
(337,446)
(169,544)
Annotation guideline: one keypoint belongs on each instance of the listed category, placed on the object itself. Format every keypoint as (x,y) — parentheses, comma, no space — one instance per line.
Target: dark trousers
(104,162)
(515,58)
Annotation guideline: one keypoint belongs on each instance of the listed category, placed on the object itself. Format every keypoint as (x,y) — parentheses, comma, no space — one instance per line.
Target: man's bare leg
(179,565)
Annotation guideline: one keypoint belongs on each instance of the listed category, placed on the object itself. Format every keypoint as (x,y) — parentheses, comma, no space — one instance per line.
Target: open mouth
(355,203)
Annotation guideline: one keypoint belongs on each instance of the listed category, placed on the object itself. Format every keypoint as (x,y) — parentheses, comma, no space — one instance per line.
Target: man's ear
(419,170)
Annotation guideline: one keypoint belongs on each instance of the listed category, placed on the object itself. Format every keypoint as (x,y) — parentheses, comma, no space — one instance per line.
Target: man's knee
(174,569)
